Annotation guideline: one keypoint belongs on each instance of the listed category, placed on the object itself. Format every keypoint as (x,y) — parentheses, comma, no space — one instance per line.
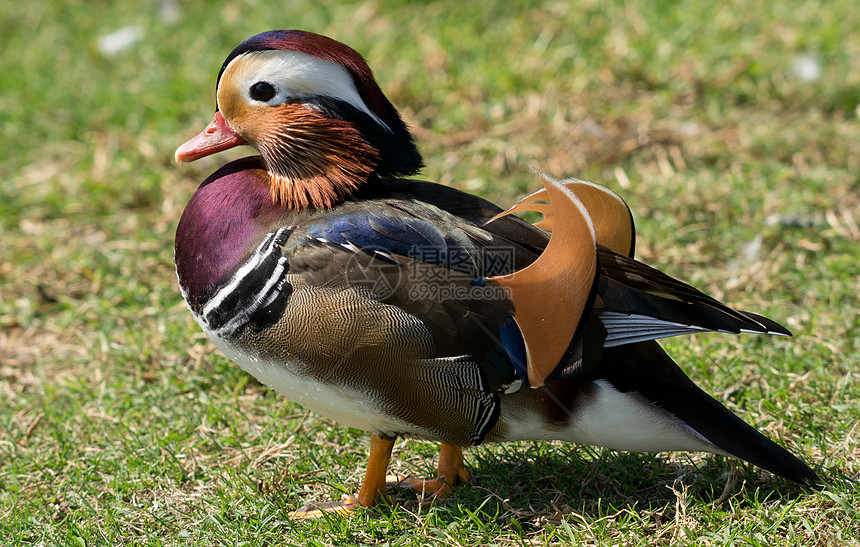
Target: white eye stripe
(295,74)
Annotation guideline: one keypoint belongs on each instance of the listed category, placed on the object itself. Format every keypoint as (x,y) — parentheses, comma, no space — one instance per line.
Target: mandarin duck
(411,309)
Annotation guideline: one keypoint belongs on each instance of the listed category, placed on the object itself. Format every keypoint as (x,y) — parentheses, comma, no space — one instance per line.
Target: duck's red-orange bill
(216,137)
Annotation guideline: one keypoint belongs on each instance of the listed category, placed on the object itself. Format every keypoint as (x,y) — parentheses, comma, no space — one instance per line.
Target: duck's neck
(321,191)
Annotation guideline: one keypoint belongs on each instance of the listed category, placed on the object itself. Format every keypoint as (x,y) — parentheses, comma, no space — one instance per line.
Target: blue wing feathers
(409,237)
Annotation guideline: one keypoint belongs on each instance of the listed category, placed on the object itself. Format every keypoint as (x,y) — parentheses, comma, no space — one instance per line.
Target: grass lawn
(730,128)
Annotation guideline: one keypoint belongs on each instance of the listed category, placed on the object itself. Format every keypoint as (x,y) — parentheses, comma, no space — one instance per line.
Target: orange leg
(372,489)
(452,471)
(374,484)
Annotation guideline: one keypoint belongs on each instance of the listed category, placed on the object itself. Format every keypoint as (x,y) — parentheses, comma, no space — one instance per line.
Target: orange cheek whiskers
(313,161)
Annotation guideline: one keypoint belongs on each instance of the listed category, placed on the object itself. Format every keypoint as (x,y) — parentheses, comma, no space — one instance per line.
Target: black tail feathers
(646,369)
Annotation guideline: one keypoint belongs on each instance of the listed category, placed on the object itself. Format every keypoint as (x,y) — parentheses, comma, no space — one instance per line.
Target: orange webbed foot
(372,489)
(345,507)
(452,472)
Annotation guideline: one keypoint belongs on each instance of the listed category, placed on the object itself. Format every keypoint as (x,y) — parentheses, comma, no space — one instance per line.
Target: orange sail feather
(612,220)
(551,294)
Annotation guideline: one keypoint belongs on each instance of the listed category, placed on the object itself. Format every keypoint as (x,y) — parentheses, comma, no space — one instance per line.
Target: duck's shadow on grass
(526,484)
(537,483)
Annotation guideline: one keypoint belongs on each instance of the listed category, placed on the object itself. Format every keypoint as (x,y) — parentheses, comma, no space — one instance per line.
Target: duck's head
(312,108)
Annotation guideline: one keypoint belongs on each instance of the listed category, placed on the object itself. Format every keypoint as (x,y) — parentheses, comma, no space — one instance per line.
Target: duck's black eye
(262,91)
